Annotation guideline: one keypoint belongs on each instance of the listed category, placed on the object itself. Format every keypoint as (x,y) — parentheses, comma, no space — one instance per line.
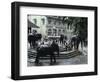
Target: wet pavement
(80,59)
(75,59)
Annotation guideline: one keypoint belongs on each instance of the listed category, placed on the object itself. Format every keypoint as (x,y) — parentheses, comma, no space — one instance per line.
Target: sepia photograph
(56,40)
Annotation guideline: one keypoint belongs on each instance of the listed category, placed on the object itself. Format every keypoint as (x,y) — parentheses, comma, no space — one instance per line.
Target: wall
(42,27)
(5,40)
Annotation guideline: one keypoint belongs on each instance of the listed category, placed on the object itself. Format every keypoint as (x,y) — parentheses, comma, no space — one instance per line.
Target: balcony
(57,26)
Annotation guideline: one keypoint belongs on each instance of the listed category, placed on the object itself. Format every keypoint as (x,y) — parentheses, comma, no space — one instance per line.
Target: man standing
(54,51)
(61,39)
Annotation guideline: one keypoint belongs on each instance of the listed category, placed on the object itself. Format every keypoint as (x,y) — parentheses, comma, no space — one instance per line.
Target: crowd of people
(51,46)
(36,40)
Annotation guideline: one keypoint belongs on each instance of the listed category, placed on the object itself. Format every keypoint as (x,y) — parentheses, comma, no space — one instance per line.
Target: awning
(30,24)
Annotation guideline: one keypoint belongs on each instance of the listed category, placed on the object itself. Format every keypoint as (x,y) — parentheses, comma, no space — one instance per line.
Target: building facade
(50,26)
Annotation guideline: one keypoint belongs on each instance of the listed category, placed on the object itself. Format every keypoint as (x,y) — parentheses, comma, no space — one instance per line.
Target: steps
(63,55)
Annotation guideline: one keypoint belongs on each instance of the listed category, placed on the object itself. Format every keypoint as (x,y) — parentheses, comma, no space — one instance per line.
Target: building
(50,26)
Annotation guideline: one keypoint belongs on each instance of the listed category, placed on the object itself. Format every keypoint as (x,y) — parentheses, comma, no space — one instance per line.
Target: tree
(80,27)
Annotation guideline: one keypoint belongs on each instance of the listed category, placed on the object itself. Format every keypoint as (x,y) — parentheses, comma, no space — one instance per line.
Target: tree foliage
(80,26)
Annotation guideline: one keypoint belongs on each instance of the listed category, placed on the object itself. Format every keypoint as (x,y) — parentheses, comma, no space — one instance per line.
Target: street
(80,59)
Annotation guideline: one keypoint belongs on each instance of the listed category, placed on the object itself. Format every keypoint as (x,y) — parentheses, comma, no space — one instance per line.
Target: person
(61,39)
(65,37)
(38,36)
(66,46)
(77,42)
(55,50)
(29,30)
(30,39)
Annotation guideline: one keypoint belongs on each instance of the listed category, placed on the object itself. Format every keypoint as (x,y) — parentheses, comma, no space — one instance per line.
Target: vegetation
(80,26)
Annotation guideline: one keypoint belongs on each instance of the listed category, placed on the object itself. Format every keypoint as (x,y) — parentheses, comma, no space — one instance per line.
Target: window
(59,31)
(43,21)
(63,31)
(54,22)
(54,32)
(49,21)
(59,22)
(35,21)
(49,32)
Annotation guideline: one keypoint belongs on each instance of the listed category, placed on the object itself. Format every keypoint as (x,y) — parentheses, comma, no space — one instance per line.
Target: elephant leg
(37,59)
(51,59)
(58,53)
(54,59)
